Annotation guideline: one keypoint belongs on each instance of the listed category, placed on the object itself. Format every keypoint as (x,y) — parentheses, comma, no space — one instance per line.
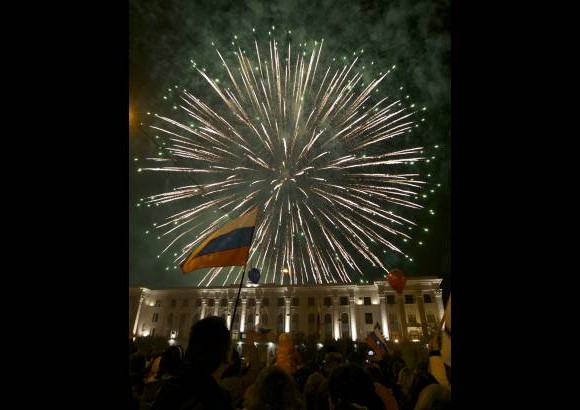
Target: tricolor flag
(228,246)
(377,342)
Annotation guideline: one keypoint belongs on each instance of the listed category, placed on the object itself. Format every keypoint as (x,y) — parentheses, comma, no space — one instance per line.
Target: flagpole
(237,298)
(241,282)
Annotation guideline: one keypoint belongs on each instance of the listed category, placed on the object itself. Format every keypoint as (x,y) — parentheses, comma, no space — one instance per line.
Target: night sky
(166,35)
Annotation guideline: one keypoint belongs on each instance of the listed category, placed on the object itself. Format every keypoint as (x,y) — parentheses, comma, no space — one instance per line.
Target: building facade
(347,311)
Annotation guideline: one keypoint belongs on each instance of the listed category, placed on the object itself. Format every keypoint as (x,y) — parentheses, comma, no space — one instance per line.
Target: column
(352,309)
(216,306)
(402,316)
(203,308)
(384,317)
(439,301)
(243,315)
(422,315)
(288,300)
(230,311)
(335,317)
(257,316)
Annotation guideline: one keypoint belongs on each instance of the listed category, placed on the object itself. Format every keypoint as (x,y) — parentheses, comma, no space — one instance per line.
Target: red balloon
(397,280)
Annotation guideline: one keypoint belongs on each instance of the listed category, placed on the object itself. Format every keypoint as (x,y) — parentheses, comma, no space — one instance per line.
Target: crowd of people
(210,374)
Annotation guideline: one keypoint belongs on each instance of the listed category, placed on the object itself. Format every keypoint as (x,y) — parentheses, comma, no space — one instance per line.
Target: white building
(345,311)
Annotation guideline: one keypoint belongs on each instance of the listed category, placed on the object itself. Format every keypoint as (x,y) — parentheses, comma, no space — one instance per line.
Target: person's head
(405,378)
(274,389)
(170,362)
(349,386)
(434,396)
(209,345)
(316,392)
(331,360)
(396,368)
(420,381)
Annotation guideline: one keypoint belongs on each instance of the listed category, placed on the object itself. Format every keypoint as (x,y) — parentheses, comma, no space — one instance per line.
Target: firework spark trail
(288,139)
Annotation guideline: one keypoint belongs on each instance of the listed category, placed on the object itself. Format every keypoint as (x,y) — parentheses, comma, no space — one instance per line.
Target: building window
(264,320)
(310,301)
(390,299)
(223,302)
(414,335)
(173,302)
(409,299)
(266,302)
(155,317)
(367,300)
(327,301)
(152,332)
(198,302)
(411,318)
(157,303)
(182,320)
(185,303)
(295,322)
(311,327)
(211,302)
(295,302)
(280,301)
(369,318)
(328,325)
(427,298)
(344,326)
(170,320)
(430,318)
(343,301)
(393,321)
(251,302)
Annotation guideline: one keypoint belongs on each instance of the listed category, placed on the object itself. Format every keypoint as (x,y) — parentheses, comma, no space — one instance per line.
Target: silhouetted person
(274,389)
(237,378)
(351,387)
(402,388)
(434,397)
(421,379)
(332,360)
(207,356)
(385,393)
(169,366)
(316,392)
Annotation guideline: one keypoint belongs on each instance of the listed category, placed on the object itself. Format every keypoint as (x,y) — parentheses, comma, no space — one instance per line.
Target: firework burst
(312,147)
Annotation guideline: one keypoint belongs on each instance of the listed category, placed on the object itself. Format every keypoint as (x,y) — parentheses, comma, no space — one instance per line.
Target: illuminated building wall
(346,311)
